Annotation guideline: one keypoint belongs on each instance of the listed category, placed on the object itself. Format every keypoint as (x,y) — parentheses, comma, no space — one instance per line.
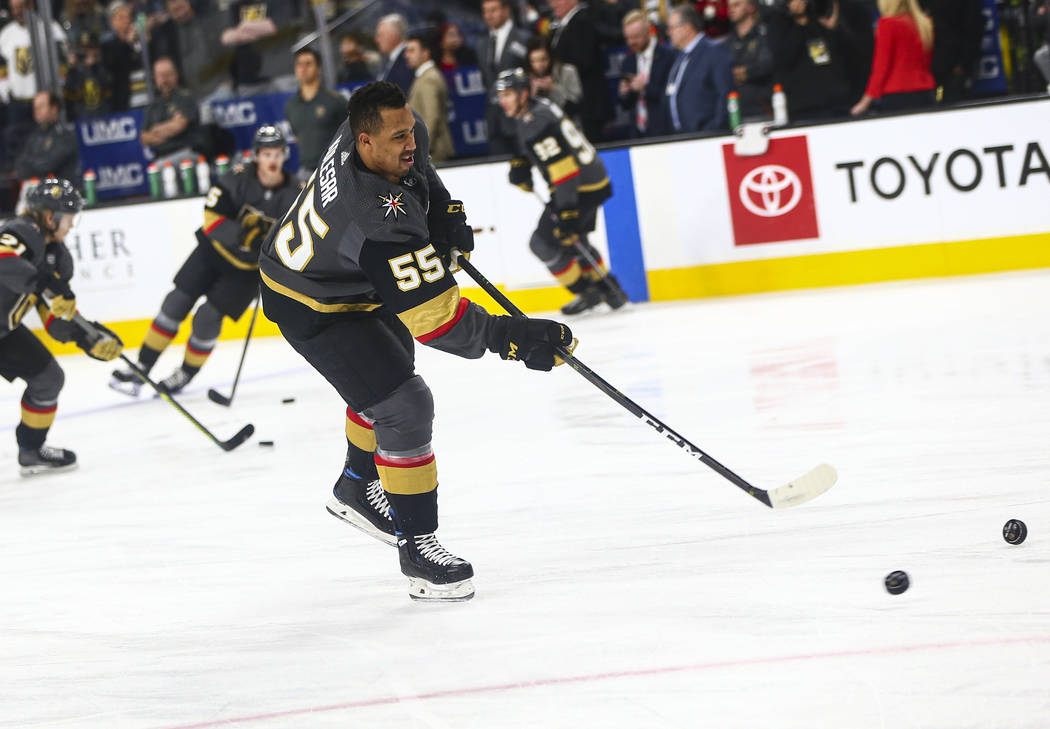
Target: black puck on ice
(897,582)
(1014,531)
(266,442)
(288,400)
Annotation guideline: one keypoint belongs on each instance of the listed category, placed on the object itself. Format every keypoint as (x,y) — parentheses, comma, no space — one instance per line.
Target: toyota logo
(770,191)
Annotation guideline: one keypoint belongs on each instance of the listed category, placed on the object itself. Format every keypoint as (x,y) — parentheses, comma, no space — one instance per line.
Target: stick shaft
(244,352)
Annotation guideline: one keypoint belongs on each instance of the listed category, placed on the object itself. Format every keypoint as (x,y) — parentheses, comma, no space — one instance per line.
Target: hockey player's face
(270,160)
(392,150)
(512,102)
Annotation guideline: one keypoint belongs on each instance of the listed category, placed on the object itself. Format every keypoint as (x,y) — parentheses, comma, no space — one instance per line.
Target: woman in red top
(900,68)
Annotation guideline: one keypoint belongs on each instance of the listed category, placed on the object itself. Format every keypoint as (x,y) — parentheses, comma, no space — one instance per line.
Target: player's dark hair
(364,110)
(428,39)
(312,52)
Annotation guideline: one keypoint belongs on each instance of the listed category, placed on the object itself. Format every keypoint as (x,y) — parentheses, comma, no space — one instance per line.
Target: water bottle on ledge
(780,106)
(168,181)
(203,175)
(89,187)
(733,105)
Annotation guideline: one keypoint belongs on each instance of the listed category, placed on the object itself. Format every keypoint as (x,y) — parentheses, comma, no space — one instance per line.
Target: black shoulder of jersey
(25,230)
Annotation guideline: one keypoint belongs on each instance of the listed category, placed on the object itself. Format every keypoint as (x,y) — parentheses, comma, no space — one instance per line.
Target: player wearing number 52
(358,270)
(238,211)
(576,177)
(35,269)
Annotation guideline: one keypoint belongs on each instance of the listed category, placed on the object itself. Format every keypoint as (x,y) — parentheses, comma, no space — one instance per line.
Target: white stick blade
(804,488)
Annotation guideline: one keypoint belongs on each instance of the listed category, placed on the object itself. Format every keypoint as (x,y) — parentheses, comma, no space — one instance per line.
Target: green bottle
(733,105)
(188,177)
(153,173)
(89,188)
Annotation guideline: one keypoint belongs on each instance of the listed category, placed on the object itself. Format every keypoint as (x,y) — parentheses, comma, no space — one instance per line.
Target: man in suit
(701,78)
(428,96)
(390,40)
(645,73)
(505,48)
(574,39)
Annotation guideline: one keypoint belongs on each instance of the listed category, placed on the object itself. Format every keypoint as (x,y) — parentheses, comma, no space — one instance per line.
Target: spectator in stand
(900,70)
(17,75)
(252,22)
(192,42)
(856,20)
(958,26)
(428,96)
(506,47)
(701,78)
(645,74)
(314,112)
(752,59)
(559,82)
(88,87)
(51,150)
(455,53)
(390,40)
(574,40)
(171,121)
(809,61)
(122,57)
(83,16)
(608,20)
(355,68)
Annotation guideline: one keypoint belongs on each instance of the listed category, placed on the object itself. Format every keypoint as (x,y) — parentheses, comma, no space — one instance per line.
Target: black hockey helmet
(512,78)
(269,136)
(55,194)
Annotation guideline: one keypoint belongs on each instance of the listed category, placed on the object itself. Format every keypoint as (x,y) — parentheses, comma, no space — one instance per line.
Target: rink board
(939,194)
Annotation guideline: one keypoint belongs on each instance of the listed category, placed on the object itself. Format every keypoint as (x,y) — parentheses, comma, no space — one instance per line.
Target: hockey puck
(1014,531)
(897,582)
(266,442)
(288,400)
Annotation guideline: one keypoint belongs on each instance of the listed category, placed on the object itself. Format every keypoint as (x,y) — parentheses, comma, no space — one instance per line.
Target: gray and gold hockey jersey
(353,241)
(549,140)
(24,256)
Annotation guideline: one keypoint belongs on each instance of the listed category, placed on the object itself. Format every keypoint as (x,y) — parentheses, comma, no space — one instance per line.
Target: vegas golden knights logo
(92,93)
(23,61)
(253,12)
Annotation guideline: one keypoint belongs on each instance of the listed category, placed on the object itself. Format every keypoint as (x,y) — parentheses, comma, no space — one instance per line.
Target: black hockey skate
(433,572)
(613,293)
(174,382)
(589,298)
(126,381)
(363,505)
(45,459)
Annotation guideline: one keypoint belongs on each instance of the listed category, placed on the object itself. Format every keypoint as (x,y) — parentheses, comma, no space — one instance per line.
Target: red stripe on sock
(357,419)
(398,462)
(201,352)
(39,411)
(163,332)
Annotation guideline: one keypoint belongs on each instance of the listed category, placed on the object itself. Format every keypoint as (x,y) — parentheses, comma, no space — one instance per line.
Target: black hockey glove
(567,226)
(97,341)
(450,230)
(521,173)
(532,341)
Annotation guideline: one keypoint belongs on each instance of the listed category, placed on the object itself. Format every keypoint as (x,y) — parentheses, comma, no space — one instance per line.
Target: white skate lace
(428,546)
(50,453)
(377,499)
(178,378)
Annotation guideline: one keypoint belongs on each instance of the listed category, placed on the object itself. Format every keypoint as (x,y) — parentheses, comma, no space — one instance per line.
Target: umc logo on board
(771,195)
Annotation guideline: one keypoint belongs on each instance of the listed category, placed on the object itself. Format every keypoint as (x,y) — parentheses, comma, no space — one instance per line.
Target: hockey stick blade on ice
(214,395)
(804,488)
(227,445)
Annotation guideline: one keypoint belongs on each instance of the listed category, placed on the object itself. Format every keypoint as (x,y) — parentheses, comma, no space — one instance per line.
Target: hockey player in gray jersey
(576,176)
(358,269)
(35,270)
(239,210)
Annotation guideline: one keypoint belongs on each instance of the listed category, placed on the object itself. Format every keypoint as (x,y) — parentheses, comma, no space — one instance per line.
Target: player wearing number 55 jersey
(35,270)
(354,274)
(239,210)
(576,176)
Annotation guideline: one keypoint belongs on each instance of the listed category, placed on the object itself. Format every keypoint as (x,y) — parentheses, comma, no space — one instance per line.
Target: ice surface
(620,583)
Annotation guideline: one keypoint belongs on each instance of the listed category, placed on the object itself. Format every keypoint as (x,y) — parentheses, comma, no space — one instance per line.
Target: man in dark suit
(574,40)
(505,48)
(701,78)
(645,73)
(390,40)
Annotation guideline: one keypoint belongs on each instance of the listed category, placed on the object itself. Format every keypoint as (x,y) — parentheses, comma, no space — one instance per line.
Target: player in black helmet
(546,138)
(238,211)
(35,270)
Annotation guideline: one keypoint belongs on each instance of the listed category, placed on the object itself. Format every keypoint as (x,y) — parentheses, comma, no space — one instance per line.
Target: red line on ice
(742,663)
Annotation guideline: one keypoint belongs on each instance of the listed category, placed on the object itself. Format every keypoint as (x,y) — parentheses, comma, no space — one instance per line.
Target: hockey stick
(227,445)
(804,488)
(216,396)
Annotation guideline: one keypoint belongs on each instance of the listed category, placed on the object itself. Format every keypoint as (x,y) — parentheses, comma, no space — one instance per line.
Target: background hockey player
(576,176)
(239,210)
(35,270)
(357,270)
